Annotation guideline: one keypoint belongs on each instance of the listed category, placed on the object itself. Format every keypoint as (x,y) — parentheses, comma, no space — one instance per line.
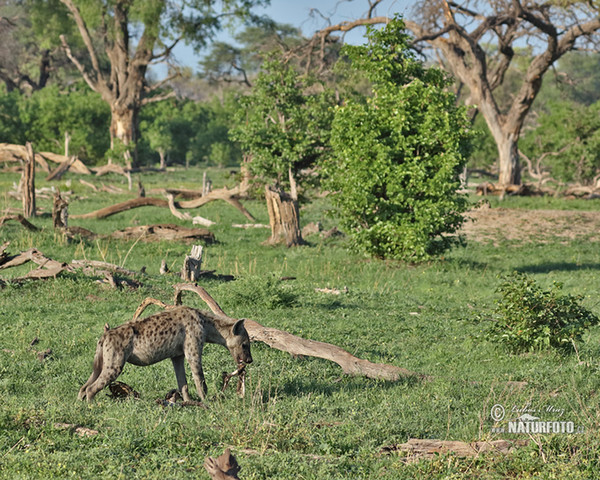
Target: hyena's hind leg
(97,366)
(115,352)
(111,369)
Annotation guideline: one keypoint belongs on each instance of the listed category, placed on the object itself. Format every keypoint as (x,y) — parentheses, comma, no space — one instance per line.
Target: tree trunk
(284,218)
(509,169)
(163,160)
(28,183)
(123,125)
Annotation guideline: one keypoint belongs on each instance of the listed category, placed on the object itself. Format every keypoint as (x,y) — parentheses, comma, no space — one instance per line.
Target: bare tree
(462,33)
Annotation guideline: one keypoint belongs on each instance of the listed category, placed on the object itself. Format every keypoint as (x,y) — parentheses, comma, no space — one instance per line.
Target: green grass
(301,417)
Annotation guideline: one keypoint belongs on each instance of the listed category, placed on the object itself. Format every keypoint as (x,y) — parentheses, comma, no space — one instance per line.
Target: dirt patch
(494,225)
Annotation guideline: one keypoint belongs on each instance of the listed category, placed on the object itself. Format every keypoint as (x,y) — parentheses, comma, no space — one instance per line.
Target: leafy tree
(283,124)
(11,127)
(49,113)
(30,55)
(123,38)
(397,155)
(187,132)
(568,139)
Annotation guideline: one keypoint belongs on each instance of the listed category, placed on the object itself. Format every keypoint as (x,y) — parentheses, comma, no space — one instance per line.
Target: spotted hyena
(176,333)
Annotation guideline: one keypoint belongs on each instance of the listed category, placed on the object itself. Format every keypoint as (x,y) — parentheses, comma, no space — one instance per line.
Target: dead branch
(287,342)
(62,168)
(149,301)
(124,206)
(227,195)
(250,225)
(173,209)
(18,153)
(21,219)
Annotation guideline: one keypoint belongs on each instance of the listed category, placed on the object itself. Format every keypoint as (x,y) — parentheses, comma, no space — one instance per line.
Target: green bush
(397,154)
(530,318)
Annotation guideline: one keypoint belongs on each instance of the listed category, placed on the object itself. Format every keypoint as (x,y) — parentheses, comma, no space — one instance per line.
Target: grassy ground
(301,418)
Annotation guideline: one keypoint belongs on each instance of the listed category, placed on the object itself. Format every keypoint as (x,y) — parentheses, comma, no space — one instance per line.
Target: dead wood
(18,153)
(21,219)
(249,225)
(190,272)
(416,449)
(173,209)
(48,268)
(62,168)
(230,196)
(109,168)
(28,183)
(205,222)
(88,184)
(124,206)
(284,218)
(153,233)
(149,301)
(224,467)
(60,212)
(488,188)
(287,342)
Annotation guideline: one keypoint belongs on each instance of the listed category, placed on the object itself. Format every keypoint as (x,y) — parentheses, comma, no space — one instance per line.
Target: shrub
(397,154)
(530,318)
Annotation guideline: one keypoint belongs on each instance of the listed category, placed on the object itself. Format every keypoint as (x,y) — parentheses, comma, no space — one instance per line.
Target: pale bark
(284,218)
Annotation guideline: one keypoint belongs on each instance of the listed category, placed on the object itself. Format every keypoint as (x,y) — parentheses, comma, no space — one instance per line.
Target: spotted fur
(177,333)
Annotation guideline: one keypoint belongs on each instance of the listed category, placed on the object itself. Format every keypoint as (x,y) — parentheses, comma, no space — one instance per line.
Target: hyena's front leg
(182,385)
(193,354)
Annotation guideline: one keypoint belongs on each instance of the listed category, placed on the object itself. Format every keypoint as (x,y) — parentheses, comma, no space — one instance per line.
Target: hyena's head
(238,343)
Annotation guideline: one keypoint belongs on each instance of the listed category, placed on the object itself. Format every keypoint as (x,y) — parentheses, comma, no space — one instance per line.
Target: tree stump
(284,218)
(28,183)
(191,265)
(60,212)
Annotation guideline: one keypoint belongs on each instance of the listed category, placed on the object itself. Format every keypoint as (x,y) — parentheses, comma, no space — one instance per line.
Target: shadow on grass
(558,267)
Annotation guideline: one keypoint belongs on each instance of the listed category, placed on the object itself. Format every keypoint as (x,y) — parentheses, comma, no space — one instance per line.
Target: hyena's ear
(238,327)
(106,327)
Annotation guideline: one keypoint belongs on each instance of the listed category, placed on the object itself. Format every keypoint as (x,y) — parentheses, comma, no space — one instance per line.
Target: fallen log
(153,233)
(124,206)
(21,219)
(158,202)
(416,449)
(18,153)
(287,342)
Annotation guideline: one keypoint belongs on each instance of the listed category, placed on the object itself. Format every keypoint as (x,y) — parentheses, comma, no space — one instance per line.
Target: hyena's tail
(98,363)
